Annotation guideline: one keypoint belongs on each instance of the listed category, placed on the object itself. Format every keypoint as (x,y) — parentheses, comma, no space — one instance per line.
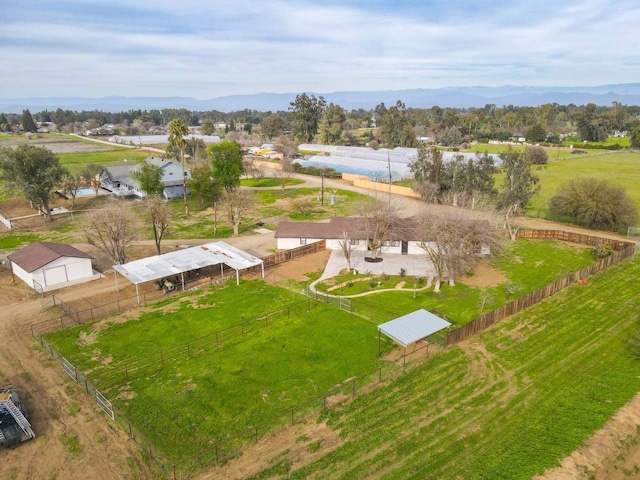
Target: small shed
(46,266)
(412,327)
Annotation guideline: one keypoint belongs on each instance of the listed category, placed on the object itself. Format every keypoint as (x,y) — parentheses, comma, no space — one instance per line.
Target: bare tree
(378,218)
(347,248)
(510,212)
(111,231)
(235,205)
(303,205)
(285,173)
(71,183)
(254,170)
(92,173)
(454,244)
(160,215)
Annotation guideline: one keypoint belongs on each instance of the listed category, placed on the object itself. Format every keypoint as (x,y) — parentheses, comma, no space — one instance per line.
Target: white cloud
(208,49)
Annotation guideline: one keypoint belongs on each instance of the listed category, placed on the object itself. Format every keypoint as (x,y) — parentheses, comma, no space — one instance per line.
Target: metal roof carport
(192,258)
(412,327)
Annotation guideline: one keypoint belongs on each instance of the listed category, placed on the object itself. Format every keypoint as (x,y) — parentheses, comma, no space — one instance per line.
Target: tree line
(310,118)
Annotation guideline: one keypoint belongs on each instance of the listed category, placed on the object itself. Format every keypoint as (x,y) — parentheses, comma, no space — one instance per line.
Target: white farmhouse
(118,179)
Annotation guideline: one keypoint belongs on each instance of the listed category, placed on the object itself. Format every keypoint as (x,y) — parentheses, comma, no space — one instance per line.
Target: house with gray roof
(119,182)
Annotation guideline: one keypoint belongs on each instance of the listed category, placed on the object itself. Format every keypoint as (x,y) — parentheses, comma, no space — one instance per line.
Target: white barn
(46,266)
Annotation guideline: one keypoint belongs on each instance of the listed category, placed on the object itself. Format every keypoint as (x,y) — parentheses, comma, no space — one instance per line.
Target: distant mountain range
(458,97)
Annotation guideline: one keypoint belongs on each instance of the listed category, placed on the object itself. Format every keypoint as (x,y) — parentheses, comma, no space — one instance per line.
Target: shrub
(595,204)
(536,155)
(602,250)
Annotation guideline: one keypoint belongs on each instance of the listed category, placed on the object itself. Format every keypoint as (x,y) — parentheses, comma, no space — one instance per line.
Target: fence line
(124,370)
(6,222)
(229,447)
(288,255)
(624,250)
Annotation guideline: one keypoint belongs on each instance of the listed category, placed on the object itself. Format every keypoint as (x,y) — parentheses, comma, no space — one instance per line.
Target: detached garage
(48,266)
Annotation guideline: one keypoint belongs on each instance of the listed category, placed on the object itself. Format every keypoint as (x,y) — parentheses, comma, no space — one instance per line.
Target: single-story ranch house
(290,235)
(403,237)
(46,266)
(118,180)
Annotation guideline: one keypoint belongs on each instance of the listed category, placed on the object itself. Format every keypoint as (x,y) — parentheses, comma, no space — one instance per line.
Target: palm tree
(177,143)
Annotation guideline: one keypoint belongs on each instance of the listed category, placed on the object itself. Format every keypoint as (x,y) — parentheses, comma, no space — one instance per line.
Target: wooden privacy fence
(288,255)
(624,250)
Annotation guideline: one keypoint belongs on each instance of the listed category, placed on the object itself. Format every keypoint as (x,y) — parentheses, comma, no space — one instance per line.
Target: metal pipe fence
(233,444)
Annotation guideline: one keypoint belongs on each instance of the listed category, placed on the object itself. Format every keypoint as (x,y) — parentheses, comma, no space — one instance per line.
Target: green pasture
(507,404)
(621,169)
(77,161)
(193,402)
(269,182)
(526,264)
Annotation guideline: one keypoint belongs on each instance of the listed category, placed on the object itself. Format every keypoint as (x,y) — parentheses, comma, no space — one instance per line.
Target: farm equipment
(14,424)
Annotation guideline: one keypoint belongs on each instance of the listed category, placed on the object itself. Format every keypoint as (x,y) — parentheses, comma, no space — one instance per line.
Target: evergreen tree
(28,125)
(307,111)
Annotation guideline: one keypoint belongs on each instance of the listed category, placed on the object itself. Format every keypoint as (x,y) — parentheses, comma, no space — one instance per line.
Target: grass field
(194,402)
(269,182)
(75,162)
(621,169)
(505,405)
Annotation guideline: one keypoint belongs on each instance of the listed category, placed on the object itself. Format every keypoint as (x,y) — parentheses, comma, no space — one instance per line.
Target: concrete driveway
(414,265)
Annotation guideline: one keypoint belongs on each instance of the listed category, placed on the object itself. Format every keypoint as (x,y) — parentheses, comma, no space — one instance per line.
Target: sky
(209,48)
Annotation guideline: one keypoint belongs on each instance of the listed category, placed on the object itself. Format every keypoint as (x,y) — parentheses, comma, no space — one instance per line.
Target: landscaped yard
(526,265)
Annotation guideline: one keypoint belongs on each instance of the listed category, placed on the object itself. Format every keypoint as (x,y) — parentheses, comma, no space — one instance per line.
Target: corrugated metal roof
(413,327)
(172,263)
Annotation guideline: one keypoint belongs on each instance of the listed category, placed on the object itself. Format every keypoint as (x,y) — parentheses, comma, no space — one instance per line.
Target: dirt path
(74,439)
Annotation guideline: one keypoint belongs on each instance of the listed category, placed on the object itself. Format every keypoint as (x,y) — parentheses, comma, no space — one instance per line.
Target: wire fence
(228,448)
(237,442)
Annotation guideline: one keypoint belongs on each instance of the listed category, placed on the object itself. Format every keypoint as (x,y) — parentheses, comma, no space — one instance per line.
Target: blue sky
(210,48)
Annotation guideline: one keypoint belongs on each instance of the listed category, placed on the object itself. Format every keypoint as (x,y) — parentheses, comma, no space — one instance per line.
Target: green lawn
(507,404)
(193,402)
(526,264)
